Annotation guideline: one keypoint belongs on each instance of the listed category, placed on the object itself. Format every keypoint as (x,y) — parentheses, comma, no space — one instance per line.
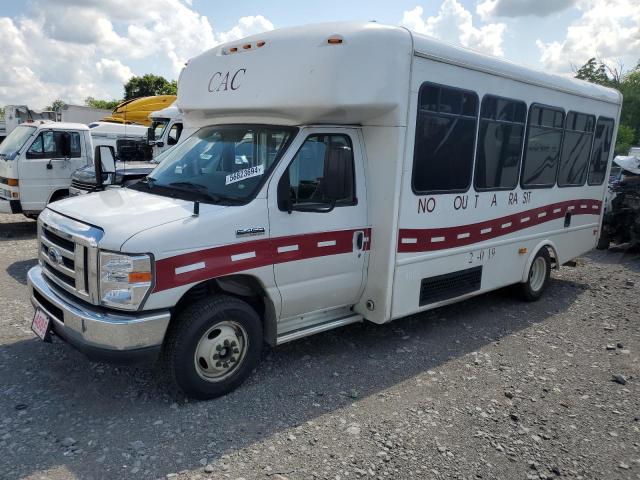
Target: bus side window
(542,149)
(445,139)
(600,152)
(576,147)
(500,139)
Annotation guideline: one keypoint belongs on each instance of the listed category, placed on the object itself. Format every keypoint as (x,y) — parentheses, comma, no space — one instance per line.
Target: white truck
(81,114)
(166,128)
(339,173)
(38,159)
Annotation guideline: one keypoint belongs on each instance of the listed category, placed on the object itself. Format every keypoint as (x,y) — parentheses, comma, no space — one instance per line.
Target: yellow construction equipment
(138,109)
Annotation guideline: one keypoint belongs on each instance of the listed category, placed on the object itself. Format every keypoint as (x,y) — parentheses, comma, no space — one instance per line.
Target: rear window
(601,150)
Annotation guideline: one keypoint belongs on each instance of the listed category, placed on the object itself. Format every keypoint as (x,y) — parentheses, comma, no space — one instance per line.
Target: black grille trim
(48,306)
(62,276)
(450,285)
(58,240)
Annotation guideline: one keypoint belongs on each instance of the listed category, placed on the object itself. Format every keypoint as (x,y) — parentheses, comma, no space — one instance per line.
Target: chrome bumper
(92,330)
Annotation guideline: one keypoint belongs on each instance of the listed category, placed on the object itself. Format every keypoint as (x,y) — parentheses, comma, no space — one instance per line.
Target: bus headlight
(125,280)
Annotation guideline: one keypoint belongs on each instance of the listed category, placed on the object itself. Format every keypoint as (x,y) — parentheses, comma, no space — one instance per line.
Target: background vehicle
(14,115)
(34,173)
(621,222)
(139,109)
(80,114)
(166,128)
(339,172)
(125,173)
(36,163)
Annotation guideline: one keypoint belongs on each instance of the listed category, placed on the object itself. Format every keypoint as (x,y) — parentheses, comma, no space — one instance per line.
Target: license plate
(40,325)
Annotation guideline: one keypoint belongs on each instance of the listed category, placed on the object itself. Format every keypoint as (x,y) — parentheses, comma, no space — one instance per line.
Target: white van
(36,163)
(166,128)
(339,173)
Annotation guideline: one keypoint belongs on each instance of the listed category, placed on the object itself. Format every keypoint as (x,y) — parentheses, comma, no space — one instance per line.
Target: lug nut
(218,364)
(235,350)
(226,343)
(234,343)
(225,365)
(218,347)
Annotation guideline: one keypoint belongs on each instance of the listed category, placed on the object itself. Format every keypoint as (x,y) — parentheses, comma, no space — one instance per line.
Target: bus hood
(122,213)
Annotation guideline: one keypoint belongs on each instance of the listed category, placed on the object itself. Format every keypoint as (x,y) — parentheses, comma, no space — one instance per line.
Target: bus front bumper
(100,334)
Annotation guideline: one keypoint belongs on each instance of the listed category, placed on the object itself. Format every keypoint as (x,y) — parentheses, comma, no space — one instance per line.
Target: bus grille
(450,285)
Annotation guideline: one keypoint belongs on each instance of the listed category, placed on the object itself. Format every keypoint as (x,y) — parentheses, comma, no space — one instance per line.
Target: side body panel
(444,233)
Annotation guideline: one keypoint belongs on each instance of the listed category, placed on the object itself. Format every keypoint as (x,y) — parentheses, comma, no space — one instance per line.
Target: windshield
(15,140)
(159,125)
(221,162)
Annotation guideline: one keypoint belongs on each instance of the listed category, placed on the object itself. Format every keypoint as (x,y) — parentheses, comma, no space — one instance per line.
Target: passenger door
(320,255)
(47,166)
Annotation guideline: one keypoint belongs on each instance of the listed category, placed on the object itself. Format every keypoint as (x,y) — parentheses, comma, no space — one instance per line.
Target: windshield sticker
(245,173)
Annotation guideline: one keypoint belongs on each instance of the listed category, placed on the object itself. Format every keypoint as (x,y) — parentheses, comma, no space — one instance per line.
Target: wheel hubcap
(537,274)
(220,351)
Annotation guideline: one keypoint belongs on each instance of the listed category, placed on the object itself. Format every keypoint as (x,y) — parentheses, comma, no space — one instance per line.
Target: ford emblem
(54,256)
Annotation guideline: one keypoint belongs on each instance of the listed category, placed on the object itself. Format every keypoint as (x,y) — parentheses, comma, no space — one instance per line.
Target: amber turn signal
(522,251)
(12,182)
(139,277)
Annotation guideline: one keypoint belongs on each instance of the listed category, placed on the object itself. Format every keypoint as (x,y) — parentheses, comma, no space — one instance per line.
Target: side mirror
(65,145)
(171,140)
(284,193)
(104,162)
(151,134)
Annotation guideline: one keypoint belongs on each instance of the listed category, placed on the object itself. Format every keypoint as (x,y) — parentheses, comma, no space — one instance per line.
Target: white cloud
(607,29)
(454,24)
(246,26)
(517,8)
(71,49)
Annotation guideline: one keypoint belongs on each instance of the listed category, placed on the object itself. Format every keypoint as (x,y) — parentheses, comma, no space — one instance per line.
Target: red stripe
(431,239)
(218,260)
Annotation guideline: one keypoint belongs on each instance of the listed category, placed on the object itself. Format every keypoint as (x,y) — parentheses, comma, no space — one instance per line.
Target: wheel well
(244,287)
(58,194)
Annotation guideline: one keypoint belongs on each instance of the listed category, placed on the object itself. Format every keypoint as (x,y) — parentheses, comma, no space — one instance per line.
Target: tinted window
(445,138)
(601,149)
(542,151)
(174,133)
(500,140)
(49,144)
(306,171)
(576,146)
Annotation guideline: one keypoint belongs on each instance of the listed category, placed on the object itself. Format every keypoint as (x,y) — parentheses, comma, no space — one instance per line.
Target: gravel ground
(488,388)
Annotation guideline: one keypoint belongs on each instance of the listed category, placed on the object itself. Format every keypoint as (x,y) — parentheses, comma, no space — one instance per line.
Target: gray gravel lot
(488,388)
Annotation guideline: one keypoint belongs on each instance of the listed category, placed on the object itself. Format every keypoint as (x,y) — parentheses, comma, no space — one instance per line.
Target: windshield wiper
(201,189)
(150,181)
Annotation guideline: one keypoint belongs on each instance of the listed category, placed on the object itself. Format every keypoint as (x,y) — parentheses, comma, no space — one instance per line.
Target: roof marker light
(246,46)
(233,49)
(334,40)
(260,44)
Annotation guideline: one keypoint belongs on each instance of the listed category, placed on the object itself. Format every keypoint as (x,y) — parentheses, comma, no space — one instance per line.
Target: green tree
(625,139)
(56,105)
(628,83)
(104,104)
(148,85)
(594,72)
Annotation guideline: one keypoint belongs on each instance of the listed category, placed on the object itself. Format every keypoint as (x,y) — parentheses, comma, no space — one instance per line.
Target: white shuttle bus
(339,173)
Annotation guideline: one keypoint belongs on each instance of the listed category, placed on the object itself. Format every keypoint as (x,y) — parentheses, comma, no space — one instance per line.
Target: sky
(72,49)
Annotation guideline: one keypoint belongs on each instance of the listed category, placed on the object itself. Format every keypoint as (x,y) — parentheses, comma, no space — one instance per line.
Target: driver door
(321,255)
(47,166)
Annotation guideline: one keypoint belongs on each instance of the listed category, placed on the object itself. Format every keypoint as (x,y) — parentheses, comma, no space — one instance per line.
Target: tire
(537,277)
(199,356)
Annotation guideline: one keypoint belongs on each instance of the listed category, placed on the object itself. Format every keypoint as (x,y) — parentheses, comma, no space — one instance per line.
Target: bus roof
(344,73)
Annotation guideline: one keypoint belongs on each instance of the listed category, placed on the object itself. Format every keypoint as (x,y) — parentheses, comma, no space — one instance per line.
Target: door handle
(358,240)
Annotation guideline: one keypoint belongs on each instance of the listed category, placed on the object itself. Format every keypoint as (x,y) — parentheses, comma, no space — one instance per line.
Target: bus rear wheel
(538,277)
